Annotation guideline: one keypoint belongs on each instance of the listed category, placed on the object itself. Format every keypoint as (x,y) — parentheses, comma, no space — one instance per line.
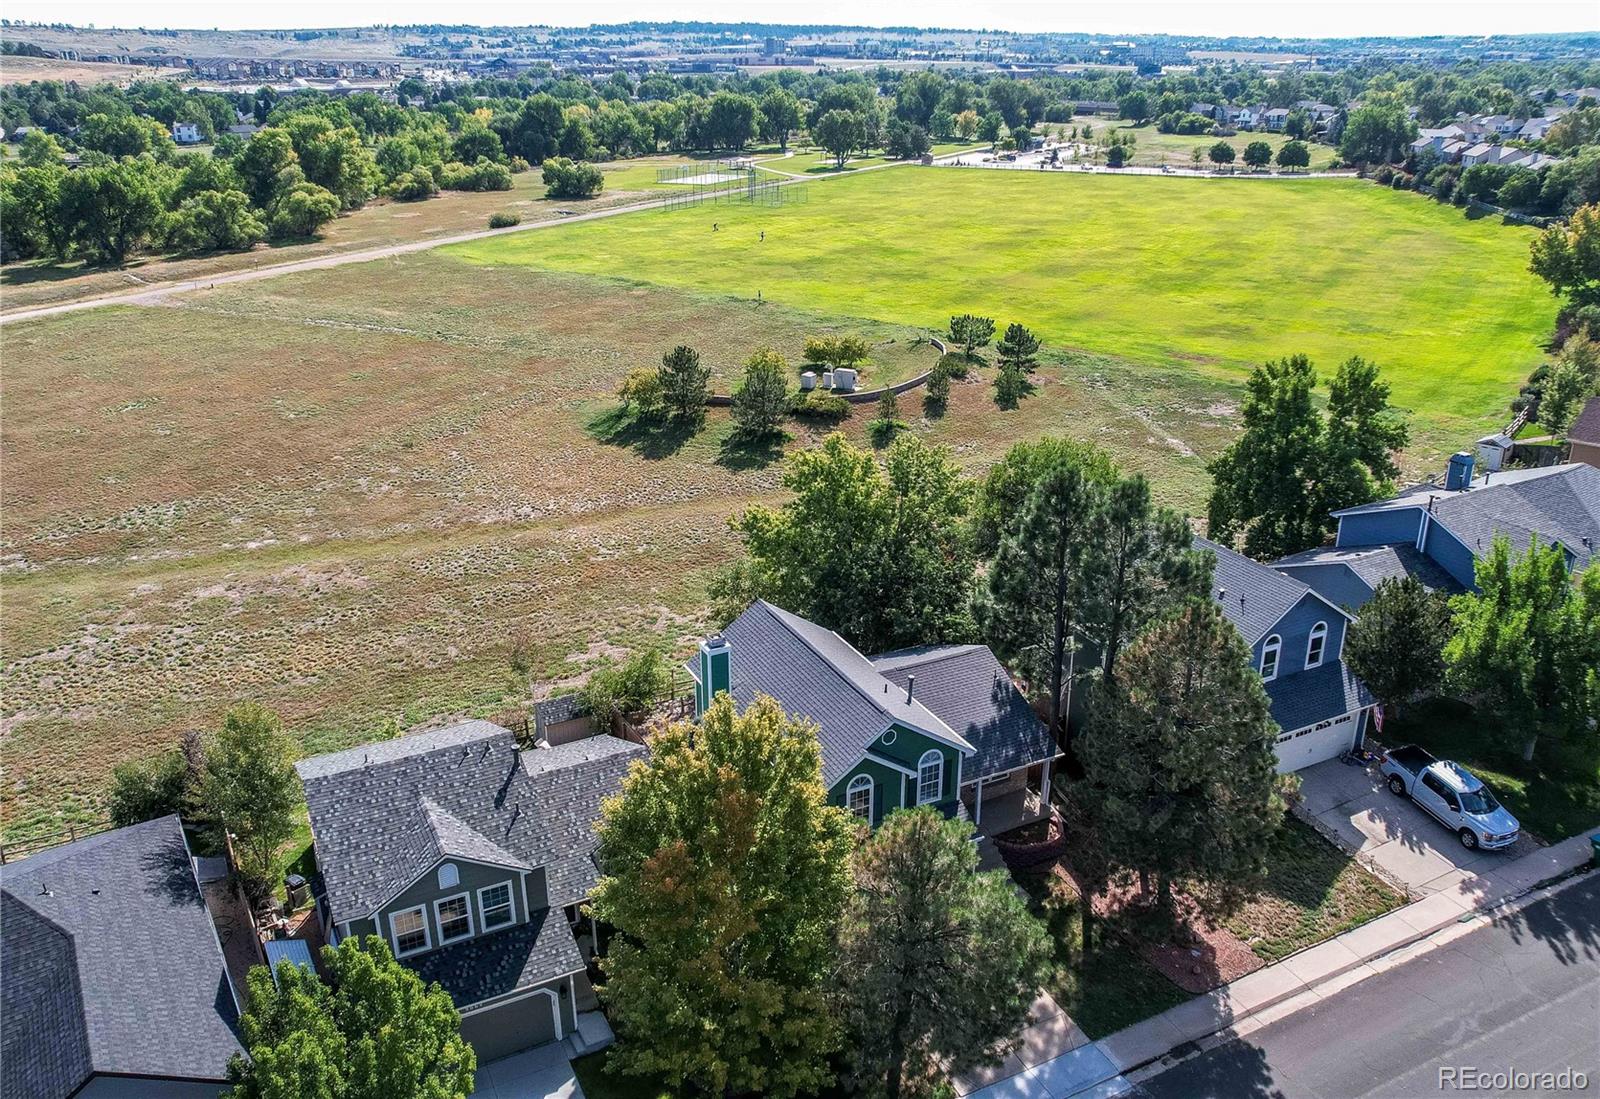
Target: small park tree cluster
(829,352)
(678,388)
(564,178)
(1293,465)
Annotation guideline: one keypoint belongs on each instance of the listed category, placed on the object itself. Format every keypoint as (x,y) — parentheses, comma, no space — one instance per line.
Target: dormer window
(930,777)
(455,918)
(449,876)
(409,929)
(1269,657)
(858,797)
(1317,645)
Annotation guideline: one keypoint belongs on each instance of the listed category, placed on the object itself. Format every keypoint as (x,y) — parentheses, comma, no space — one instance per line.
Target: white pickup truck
(1453,794)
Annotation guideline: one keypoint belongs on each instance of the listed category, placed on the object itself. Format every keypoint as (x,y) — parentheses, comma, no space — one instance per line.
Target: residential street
(1523,994)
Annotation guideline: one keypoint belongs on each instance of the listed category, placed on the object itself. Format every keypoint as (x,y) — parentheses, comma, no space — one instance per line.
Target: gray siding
(425,891)
(130,1087)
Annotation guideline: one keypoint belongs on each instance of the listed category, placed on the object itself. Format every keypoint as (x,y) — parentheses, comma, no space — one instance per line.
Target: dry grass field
(342,492)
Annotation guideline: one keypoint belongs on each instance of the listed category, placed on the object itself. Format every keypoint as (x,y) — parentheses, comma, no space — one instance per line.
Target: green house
(941,726)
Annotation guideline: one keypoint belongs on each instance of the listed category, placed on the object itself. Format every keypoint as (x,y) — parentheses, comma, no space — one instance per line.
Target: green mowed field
(1216,274)
(1152,147)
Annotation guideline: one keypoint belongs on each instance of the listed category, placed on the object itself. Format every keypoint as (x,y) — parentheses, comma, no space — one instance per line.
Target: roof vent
(1222,593)
(911,685)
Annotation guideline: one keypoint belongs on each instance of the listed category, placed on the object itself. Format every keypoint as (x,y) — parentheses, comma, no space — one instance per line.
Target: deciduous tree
(940,963)
(250,787)
(372,1029)
(840,133)
(1258,154)
(725,875)
(1568,257)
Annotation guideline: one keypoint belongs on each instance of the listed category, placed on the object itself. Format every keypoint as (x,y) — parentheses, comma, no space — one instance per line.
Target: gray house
(112,979)
(470,858)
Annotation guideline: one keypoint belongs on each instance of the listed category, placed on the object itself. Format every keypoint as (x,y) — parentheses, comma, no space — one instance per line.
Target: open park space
(1216,274)
(344,493)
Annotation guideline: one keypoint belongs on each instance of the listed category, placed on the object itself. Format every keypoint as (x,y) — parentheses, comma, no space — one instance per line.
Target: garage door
(511,1028)
(1315,743)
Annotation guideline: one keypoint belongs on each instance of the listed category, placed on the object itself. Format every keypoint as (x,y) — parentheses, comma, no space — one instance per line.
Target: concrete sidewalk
(1099,1068)
(1318,971)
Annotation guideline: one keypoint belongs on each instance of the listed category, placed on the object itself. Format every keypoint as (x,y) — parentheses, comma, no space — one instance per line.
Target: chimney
(911,685)
(1458,473)
(716,672)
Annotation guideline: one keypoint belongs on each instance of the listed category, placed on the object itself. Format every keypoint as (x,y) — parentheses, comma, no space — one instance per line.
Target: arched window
(449,876)
(1269,657)
(858,797)
(930,777)
(1317,645)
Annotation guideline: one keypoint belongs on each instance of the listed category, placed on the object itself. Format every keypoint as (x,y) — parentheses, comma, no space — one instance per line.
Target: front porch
(1008,800)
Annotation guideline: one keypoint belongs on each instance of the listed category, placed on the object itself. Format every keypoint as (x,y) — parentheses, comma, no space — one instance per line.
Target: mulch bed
(1198,956)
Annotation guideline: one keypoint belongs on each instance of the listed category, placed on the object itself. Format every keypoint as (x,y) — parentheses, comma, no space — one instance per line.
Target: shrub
(630,688)
(413,186)
(937,394)
(953,363)
(819,404)
(485,175)
(641,390)
(519,165)
(565,178)
(504,219)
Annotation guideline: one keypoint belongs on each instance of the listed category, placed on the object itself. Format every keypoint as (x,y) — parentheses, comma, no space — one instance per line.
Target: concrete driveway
(1392,832)
(542,1073)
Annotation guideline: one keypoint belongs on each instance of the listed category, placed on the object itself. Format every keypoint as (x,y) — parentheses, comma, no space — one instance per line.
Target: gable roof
(110,964)
(972,693)
(1586,428)
(1328,691)
(814,673)
(384,813)
(1369,565)
(1254,596)
(1555,503)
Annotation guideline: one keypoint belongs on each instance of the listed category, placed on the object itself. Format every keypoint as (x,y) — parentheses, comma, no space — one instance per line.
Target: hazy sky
(1281,18)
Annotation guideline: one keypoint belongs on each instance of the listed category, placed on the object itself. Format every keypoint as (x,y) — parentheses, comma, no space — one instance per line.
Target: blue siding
(1337,583)
(1446,549)
(1294,629)
(1379,528)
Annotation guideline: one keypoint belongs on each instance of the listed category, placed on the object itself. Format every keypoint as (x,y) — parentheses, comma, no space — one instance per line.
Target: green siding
(893,789)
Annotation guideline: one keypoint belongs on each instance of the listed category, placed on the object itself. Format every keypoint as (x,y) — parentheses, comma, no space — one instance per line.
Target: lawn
(1117,988)
(1153,148)
(1554,797)
(1312,892)
(1215,274)
(342,492)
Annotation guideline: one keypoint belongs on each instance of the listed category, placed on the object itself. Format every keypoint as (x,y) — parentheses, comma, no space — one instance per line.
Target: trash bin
(295,886)
(1594,842)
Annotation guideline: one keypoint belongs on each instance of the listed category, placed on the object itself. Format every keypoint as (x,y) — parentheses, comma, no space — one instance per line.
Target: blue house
(940,725)
(1296,639)
(1437,533)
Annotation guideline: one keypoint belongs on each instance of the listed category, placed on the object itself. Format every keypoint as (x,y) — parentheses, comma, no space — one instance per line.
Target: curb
(1228,1031)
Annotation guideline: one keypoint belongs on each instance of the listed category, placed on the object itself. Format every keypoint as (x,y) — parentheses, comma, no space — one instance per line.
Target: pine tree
(971,332)
(939,962)
(762,399)
(685,384)
(1180,767)
(1018,349)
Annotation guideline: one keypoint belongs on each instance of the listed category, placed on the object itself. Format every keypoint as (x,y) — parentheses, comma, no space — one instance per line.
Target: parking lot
(1392,832)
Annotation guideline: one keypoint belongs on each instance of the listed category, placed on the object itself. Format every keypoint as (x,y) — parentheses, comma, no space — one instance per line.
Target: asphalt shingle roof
(1370,566)
(1306,698)
(384,813)
(1253,596)
(814,673)
(972,693)
(109,963)
(1586,428)
(1556,504)
(522,955)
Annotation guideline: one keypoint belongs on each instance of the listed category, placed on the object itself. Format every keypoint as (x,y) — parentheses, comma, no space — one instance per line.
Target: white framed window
(408,931)
(930,776)
(1269,657)
(1316,645)
(494,902)
(455,918)
(449,876)
(858,797)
